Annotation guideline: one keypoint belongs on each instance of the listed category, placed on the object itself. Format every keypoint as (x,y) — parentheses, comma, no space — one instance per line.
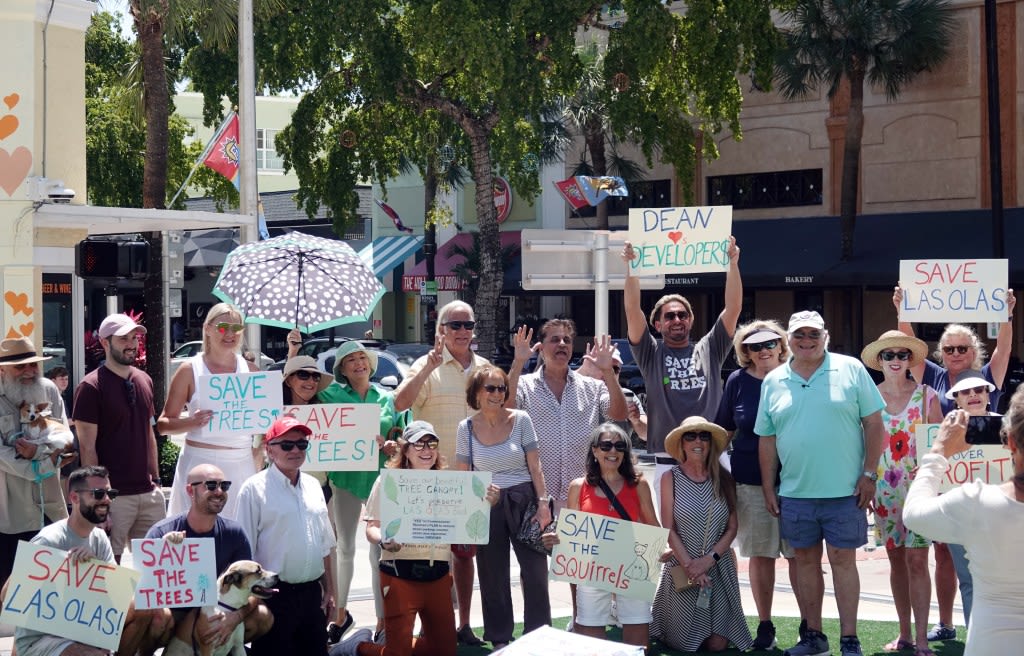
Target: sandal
(899,644)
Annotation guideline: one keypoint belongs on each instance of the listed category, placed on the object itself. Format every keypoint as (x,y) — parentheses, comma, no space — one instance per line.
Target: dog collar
(223,605)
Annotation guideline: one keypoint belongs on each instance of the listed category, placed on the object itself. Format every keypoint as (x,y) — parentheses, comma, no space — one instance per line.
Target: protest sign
(81,601)
(608,553)
(675,239)
(937,291)
(241,403)
(175,575)
(435,506)
(344,435)
(990,463)
(545,641)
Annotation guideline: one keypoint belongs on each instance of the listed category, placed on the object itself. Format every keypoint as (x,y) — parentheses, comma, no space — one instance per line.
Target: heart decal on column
(13,168)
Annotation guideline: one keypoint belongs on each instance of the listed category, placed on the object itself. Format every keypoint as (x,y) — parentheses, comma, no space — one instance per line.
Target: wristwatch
(714,554)
(871,476)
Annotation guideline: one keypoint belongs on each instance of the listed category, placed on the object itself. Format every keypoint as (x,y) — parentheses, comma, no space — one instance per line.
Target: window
(267,158)
(649,193)
(748,191)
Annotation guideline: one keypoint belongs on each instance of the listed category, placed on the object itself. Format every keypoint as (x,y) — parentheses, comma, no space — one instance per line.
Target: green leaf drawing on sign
(477,525)
(391,530)
(479,490)
(391,489)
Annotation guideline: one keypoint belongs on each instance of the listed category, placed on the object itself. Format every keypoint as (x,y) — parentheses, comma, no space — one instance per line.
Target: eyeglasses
(99,492)
(129,388)
(608,445)
(288,445)
(224,327)
(213,485)
(693,436)
(971,390)
(961,349)
(682,315)
(814,335)
(757,348)
(491,389)
(302,374)
(888,356)
(459,325)
(559,339)
(428,444)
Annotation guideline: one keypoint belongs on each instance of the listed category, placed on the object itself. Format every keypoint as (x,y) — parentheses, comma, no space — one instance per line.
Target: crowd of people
(785,460)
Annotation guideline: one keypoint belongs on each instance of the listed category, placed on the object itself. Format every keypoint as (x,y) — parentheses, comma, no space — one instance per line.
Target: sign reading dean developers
(435,506)
(242,404)
(939,291)
(680,239)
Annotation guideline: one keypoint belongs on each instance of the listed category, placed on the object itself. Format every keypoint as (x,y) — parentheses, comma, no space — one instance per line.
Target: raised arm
(409,390)
(1004,343)
(733,289)
(636,322)
(523,350)
(907,328)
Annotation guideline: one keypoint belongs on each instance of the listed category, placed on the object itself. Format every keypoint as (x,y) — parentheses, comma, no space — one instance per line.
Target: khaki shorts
(758,534)
(132,515)
(46,645)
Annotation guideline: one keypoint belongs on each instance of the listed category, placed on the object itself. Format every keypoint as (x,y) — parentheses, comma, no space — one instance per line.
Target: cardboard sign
(938,291)
(175,575)
(242,404)
(81,601)
(675,239)
(990,463)
(344,435)
(608,553)
(435,506)
(546,641)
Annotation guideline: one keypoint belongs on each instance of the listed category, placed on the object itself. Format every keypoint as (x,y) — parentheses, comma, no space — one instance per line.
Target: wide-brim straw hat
(673,441)
(306,363)
(893,339)
(19,350)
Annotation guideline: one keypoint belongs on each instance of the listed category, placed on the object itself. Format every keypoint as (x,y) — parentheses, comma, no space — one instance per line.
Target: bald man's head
(204,500)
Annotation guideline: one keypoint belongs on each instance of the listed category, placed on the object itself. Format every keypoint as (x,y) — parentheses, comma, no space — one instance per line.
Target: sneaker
(350,645)
(814,643)
(335,632)
(765,636)
(466,637)
(850,646)
(802,631)
(942,632)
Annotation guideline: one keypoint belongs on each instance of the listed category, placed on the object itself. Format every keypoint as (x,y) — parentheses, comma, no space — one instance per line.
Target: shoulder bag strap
(612,499)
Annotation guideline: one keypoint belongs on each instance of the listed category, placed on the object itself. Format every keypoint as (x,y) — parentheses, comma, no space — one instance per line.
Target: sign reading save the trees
(435,506)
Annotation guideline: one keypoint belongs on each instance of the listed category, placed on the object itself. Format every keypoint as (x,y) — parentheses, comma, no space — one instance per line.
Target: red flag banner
(223,155)
(572,193)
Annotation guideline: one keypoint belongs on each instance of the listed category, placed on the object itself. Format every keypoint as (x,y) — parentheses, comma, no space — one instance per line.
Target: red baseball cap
(283,425)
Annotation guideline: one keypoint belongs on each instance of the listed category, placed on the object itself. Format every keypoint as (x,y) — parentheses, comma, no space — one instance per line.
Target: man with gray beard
(29,485)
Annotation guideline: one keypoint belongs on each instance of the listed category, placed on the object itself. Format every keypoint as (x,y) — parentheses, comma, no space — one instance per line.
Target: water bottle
(704,598)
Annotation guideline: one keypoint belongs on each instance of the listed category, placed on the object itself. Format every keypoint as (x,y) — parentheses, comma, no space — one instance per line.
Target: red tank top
(627,496)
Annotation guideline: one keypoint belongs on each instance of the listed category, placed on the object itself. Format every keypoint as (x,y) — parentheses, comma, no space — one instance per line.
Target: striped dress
(678,622)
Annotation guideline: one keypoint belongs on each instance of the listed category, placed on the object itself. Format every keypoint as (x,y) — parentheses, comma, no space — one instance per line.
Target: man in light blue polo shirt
(820,415)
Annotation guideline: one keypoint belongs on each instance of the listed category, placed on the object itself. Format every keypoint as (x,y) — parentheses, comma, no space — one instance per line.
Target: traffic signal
(110,259)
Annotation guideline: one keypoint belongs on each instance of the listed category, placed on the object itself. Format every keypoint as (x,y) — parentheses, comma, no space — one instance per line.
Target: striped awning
(383,254)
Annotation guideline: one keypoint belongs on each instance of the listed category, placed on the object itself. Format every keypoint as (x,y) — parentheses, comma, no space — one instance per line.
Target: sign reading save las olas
(608,553)
(937,291)
(242,404)
(990,463)
(675,239)
(435,506)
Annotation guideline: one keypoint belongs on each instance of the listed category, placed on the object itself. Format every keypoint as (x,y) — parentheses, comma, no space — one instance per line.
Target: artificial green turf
(873,638)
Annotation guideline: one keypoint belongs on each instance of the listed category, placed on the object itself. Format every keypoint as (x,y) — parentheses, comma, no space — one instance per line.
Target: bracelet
(546,499)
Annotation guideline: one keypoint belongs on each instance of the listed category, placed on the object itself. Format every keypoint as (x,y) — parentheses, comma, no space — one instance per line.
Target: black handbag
(530,532)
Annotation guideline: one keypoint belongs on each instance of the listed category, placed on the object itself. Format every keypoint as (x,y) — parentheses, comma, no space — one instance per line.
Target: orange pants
(403,600)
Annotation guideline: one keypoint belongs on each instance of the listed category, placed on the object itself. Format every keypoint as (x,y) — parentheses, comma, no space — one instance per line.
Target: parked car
(319,348)
(408,352)
(629,376)
(189,349)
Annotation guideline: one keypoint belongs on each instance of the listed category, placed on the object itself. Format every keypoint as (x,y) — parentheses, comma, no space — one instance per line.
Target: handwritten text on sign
(674,239)
(937,291)
(435,506)
(241,403)
(608,553)
(81,601)
(175,575)
(344,435)
(990,463)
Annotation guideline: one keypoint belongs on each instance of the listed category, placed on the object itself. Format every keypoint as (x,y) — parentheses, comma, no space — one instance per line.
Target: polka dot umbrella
(298,280)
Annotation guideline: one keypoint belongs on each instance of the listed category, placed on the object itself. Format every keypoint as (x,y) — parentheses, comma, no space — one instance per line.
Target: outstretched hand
(521,343)
(601,353)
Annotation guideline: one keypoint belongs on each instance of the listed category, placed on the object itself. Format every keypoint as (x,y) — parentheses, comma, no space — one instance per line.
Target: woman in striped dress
(698,507)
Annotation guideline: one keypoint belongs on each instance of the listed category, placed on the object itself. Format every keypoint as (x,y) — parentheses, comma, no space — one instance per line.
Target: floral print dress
(895,467)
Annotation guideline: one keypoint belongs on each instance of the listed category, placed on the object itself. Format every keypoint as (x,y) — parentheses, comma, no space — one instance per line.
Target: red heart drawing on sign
(675,236)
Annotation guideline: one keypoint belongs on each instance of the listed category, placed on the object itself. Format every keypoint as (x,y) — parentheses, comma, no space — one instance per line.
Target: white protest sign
(435,506)
(344,435)
(546,641)
(990,463)
(242,404)
(938,291)
(608,553)
(81,601)
(175,575)
(675,239)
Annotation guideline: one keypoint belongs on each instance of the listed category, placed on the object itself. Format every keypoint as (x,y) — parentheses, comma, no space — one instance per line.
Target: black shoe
(335,632)
(466,637)
(802,631)
(765,636)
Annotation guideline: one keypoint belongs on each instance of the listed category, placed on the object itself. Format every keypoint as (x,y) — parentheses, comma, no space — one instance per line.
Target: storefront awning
(386,253)
(446,260)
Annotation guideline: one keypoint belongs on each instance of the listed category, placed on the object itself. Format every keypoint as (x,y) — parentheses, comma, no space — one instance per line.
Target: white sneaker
(349,645)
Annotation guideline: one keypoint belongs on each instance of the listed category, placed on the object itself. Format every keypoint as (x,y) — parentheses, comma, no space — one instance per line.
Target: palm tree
(884,42)
(468,270)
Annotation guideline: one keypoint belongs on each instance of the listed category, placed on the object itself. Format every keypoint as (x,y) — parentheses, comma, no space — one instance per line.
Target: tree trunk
(429,249)
(595,145)
(491,274)
(851,165)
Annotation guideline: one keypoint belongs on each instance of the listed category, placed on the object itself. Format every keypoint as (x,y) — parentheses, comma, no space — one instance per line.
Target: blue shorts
(805,522)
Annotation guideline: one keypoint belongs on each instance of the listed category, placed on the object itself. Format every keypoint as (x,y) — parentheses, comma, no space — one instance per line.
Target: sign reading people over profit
(938,291)
(84,601)
(175,575)
(990,463)
(608,553)
(344,435)
(435,506)
(241,403)
(680,239)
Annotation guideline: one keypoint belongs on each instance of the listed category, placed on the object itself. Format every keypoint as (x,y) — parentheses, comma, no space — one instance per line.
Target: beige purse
(679,578)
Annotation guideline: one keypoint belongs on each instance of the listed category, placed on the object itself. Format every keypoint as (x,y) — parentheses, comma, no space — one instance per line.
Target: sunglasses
(129,388)
(288,445)
(429,444)
(757,348)
(491,389)
(948,350)
(971,390)
(608,445)
(693,436)
(302,374)
(213,485)
(224,327)
(815,336)
(889,356)
(682,315)
(459,325)
(99,492)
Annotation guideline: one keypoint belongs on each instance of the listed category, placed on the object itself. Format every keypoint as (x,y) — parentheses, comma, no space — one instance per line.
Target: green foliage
(478,525)
(167,459)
